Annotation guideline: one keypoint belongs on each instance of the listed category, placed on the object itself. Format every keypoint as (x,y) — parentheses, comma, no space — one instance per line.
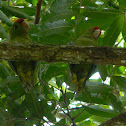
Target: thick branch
(67,54)
(119,120)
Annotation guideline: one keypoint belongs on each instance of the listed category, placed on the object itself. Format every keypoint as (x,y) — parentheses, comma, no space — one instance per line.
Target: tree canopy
(54,100)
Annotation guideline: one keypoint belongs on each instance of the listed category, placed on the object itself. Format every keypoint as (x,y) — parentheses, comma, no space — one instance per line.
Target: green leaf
(118,70)
(123,100)
(105,14)
(34,105)
(4,73)
(120,81)
(59,80)
(3,32)
(29,1)
(115,102)
(58,15)
(61,122)
(19,1)
(65,4)
(122,3)
(88,3)
(124,28)
(86,123)
(38,108)
(0,3)
(5,19)
(58,12)
(102,69)
(28,123)
(82,115)
(15,108)
(27,10)
(60,39)
(34,2)
(9,81)
(12,85)
(113,31)
(99,119)
(89,97)
(67,97)
(49,92)
(55,70)
(98,111)
(5,116)
(13,12)
(57,27)
(97,87)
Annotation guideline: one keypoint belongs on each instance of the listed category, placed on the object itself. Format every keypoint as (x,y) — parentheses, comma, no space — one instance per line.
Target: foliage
(53,100)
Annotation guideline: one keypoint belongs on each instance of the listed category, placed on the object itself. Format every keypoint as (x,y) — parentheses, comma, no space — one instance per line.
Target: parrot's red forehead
(20,20)
(97,28)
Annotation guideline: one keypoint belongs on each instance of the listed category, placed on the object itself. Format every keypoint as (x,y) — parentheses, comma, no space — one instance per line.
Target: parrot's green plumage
(24,69)
(82,72)
(19,32)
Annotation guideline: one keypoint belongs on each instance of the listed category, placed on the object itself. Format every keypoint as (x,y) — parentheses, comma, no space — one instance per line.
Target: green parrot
(82,72)
(24,69)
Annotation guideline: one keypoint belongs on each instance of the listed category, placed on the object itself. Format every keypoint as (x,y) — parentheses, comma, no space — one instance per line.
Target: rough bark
(63,53)
(119,120)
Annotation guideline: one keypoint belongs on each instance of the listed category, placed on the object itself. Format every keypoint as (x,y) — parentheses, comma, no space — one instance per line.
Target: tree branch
(64,53)
(119,120)
(38,10)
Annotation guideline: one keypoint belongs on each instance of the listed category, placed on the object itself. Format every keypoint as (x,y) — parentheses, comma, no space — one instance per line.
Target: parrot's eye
(15,26)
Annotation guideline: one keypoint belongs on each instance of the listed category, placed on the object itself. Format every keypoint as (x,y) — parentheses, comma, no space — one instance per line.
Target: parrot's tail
(27,81)
(79,84)
(25,71)
(80,74)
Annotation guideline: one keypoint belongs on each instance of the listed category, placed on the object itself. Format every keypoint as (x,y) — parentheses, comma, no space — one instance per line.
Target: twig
(88,105)
(68,113)
(8,2)
(38,10)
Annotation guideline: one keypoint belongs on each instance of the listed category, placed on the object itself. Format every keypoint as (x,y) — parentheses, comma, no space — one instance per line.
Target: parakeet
(24,69)
(82,72)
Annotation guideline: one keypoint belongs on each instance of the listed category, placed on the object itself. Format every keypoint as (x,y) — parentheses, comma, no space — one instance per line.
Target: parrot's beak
(90,29)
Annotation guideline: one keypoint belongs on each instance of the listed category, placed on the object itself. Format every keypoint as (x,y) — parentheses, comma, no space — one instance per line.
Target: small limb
(65,102)
(38,10)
